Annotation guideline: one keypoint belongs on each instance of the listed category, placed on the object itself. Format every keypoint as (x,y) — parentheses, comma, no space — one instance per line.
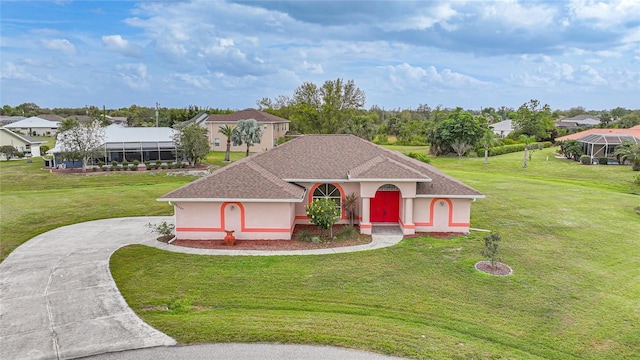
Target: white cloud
(406,74)
(134,75)
(63,45)
(200,81)
(117,44)
(18,72)
(520,15)
(605,14)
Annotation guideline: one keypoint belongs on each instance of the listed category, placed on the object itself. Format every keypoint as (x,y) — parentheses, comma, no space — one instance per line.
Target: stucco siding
(208,221)
(441,215)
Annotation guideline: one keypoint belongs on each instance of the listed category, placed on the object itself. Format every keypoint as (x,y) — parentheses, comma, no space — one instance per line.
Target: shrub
(603,161)
(104,168)
(510,148)
(158,162)
(125,164)
(133,167)
(114,163)
(419,156)
(585,160)
(101,163)
(136,162)
(163,228)
(44,149)
(346,233)
(323,213)
(147,164)
(94,168)
(163,166)
(304,235)
(382,139)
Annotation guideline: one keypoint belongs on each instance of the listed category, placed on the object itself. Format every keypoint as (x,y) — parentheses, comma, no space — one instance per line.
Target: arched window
(328,191)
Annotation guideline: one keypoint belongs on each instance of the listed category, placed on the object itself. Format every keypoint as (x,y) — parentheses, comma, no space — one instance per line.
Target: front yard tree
(534,119)
(491,247)
(527,141)
(460,125)
(227,131)
(9,152)
(323,213)
(81,141)
(246,132)
(629,151)
(488,140)
(192,143)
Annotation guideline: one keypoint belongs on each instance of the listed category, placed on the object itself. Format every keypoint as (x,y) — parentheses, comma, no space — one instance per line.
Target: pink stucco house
(264,196)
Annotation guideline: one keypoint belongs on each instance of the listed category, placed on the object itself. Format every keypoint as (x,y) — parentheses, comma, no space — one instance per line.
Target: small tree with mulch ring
(491,248)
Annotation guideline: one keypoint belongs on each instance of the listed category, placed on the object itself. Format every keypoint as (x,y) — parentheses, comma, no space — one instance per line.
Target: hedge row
(506,149)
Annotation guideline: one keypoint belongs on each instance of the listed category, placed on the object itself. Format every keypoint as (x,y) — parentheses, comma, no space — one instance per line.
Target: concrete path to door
(58,299)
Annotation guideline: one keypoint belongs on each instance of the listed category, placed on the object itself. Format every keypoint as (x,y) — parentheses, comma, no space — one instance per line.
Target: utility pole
(157,106)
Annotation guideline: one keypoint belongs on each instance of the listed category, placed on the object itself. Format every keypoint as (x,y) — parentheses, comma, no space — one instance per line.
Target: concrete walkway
(59,301)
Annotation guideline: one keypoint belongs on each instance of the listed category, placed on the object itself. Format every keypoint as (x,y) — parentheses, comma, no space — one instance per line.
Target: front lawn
(569,231)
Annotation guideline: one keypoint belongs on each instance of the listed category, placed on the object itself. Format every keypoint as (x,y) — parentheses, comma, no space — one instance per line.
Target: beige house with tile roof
(264,196)
(273,128)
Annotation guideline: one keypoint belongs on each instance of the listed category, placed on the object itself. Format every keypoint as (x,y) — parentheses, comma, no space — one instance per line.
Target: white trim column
(409,227)
(365,223)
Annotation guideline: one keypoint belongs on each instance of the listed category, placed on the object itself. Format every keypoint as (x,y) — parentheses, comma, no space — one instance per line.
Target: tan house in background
(26,144)
(273,128)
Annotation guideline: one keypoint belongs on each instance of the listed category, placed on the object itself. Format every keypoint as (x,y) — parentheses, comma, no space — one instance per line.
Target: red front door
(385,206)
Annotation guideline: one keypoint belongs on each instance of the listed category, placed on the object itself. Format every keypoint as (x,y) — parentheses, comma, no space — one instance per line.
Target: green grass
(217,157)
(569,232)
(33,201)
(408,148)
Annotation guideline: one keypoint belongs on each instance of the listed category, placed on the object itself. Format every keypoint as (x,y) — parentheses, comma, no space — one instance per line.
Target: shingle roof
(259,116)
(634,131)
(33,122)
(317,158)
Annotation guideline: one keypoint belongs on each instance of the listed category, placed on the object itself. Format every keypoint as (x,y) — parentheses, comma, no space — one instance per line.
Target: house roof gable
(33,122)
(317,158)
(26,138)
(246,114)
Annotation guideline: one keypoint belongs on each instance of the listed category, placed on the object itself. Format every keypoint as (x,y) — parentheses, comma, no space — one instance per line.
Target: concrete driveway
(59,301)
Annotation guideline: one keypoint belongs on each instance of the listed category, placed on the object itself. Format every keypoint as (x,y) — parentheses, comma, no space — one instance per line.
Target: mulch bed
(292,244)
(499,269)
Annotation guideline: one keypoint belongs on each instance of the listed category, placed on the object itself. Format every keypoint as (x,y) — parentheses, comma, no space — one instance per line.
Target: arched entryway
(385,206)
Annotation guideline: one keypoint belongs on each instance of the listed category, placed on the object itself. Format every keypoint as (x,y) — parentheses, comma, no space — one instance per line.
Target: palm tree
(488,140)
(527,141)
(629,151)
(350,205)
(246,132)
(227,130)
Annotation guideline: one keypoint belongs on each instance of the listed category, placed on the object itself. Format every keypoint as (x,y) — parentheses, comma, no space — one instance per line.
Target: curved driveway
(59,301)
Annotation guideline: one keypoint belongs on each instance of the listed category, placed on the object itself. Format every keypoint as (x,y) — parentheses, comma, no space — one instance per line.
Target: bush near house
(585,160)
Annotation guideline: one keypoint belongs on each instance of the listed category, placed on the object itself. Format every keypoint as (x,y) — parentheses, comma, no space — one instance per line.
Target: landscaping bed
(296,243)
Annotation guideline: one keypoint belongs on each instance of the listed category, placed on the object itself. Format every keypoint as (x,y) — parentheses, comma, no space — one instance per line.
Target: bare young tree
(460,147)
(81,141)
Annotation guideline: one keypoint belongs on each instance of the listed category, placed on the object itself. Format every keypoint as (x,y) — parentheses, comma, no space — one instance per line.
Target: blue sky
(229,54)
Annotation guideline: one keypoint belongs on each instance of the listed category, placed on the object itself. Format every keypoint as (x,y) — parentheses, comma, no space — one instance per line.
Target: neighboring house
(117,120)
(502,128)
(4,120)
(26,144)
(200,119)
(264,196)
(131,143)
(34,126)
(273,128)
(599,143)
(51,117)
(578,121)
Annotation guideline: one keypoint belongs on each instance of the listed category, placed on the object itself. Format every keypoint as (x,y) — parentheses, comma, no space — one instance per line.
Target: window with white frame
(328,191)
(216,142)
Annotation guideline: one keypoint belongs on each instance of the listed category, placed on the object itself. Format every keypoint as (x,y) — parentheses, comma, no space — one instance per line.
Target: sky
(230,54)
